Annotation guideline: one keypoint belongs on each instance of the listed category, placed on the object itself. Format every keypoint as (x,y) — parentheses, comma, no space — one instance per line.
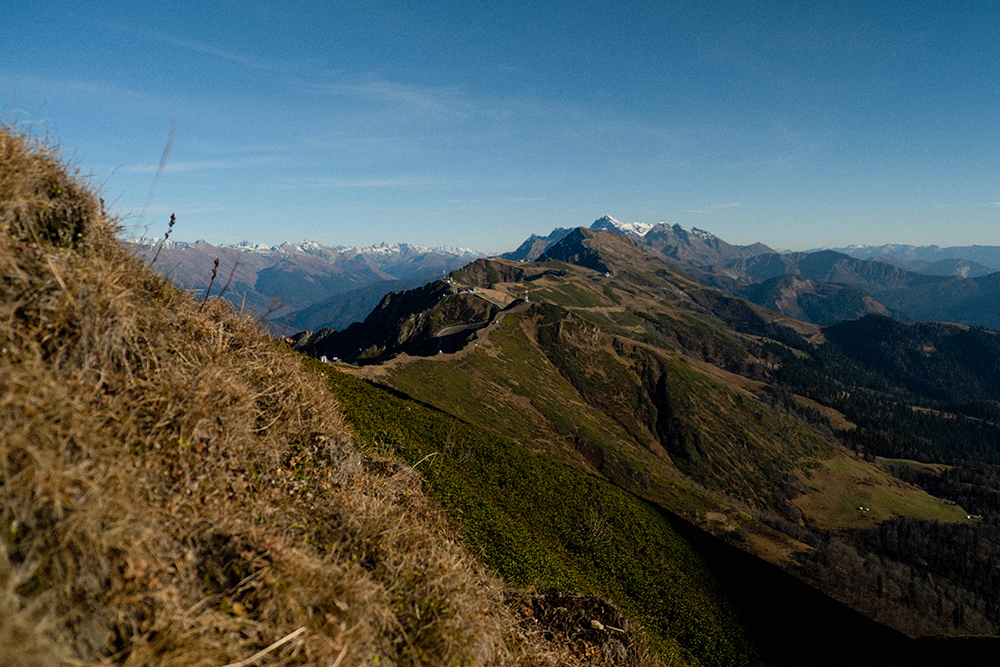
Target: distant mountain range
(985,256)
(672,243)
(822,286)
(308,286)
(301,285)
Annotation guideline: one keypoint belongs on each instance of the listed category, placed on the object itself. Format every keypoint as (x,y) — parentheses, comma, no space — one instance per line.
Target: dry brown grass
(175,489)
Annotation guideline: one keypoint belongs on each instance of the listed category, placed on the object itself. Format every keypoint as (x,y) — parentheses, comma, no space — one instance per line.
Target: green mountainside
(542,524)
(757,428)
(812,300)
(701,600)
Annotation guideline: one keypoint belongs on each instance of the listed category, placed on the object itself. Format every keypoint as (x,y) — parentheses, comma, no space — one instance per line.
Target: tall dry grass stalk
(175,489)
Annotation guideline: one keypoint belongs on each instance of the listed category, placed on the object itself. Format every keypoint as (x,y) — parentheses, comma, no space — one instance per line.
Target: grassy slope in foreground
(543,524)
(175,489)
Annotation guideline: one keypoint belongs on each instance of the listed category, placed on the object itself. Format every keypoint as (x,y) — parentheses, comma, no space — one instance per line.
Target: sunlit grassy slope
(847,492)
(177,489)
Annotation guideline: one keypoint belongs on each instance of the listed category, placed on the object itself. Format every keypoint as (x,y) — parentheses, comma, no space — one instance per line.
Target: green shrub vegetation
(539,523)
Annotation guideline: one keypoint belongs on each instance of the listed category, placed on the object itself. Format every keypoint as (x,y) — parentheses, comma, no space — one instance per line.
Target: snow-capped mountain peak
(314,249)
(261,248)
(703,235)
(610,224)
(151,242)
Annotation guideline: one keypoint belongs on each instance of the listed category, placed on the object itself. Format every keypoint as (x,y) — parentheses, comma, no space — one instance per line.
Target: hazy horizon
(152,238)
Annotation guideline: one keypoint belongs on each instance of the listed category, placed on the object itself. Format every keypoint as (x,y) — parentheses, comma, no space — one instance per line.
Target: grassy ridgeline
(539,523)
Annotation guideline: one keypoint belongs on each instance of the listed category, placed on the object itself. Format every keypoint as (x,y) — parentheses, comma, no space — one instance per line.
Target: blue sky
(796,124)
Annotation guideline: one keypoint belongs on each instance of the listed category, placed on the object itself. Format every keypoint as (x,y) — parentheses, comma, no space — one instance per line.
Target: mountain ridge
(308,247)
(956,289)
(988,256)
(682,395)
(296,290)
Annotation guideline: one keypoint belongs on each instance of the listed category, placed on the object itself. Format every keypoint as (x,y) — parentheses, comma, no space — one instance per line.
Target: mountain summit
(607,223)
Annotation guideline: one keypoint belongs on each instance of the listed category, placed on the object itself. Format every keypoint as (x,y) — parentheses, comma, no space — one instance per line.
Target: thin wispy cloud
(732,205)
(438,101)
(268,64)
(362,183)
(200,165)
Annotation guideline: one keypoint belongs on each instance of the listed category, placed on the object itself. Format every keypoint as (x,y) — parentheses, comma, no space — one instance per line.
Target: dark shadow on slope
(793,624)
